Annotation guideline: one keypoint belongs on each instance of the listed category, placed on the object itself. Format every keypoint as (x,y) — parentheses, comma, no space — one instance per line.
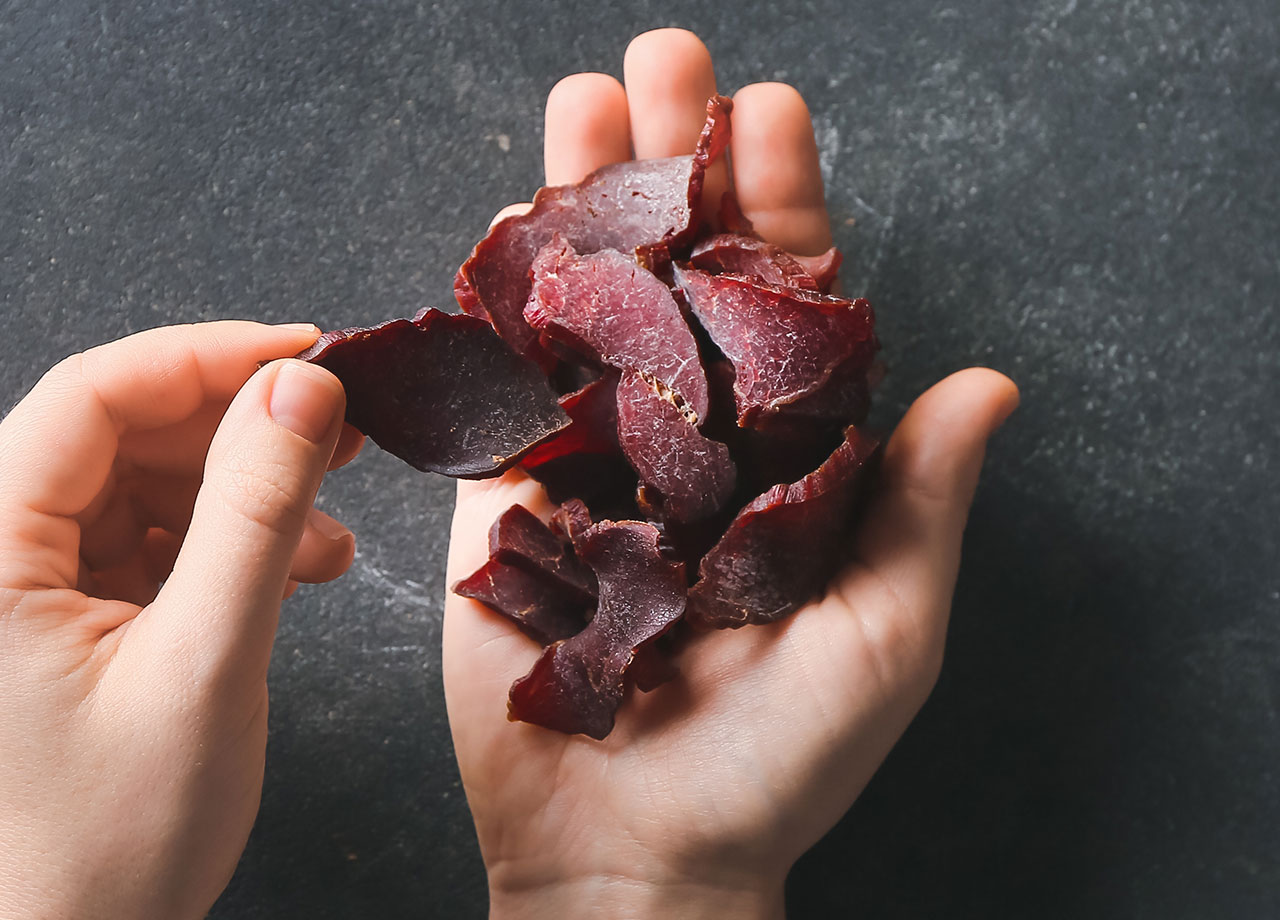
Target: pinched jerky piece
(622,206)
(782,547)
(520,539)
(441,392)
(693,475)
(612,310)
(578,683)
(784,343)
(751,258)
(543,610)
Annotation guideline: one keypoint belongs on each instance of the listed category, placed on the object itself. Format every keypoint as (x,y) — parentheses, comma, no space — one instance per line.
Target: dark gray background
(1081,193)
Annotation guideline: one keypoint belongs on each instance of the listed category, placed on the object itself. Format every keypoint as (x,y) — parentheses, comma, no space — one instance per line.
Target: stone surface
(1083,193)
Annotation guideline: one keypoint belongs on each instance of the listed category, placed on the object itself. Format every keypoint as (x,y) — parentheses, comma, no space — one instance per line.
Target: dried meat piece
(572,519)
(578,683)
(845,397)
(621,206)
(543,610)
(611,309)
(751,258)
(782,547)
(593,412)
(784,343)
(441,392)
(694,475)
(518,538)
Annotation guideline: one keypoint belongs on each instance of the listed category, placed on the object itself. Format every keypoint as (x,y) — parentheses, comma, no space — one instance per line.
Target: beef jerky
(578,683)
(518,538)
(621,206)
(611,309)
(781,549)
(784,343)
(441,392)
(751,258)
(543,610)
(694,475)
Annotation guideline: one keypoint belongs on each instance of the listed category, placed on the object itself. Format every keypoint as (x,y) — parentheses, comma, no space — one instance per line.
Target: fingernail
(303,399)
(327,527)
(305,327)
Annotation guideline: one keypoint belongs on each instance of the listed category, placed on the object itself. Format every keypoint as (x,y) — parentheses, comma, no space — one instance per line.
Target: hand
(154,509)
(710,787)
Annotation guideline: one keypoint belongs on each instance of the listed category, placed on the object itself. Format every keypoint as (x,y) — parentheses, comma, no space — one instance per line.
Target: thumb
(220,606)
(910,537)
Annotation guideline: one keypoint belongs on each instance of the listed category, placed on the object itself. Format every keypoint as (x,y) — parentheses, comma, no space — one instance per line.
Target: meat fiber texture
(688,394)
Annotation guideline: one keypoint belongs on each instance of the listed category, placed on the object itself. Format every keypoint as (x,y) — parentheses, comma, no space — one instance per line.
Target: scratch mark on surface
(400,592)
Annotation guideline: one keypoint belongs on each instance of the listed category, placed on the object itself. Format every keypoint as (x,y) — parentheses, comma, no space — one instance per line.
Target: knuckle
(267,494)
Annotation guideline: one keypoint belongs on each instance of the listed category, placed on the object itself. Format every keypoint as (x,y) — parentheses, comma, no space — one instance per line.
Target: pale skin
(156,506)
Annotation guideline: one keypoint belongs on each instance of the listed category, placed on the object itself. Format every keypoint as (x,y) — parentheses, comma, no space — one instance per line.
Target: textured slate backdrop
(1079,192)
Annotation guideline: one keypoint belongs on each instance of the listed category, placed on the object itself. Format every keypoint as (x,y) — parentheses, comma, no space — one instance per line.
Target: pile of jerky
(686,392)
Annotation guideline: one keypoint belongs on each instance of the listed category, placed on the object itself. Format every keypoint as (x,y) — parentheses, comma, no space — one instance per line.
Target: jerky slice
(518,538)
(783,546)
(751,258)
(621,206)
(441,392)
(610,308)
(578,683)
(693,474)
(543,610)
(784,343)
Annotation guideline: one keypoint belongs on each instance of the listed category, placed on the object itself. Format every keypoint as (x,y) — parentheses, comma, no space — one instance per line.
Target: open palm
(719,780)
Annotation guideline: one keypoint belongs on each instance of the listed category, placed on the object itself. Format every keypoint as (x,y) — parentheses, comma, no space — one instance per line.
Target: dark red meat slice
(845,397)
(751,258)
(621,206)
(571,520)
(543,610)
(782,547)
(693,474)
(784,343)
(441,392)
(611,309)
(578,683)
(593,411)
(520,539)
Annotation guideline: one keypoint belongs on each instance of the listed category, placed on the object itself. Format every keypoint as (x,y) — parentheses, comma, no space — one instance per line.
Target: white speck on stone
(827,136)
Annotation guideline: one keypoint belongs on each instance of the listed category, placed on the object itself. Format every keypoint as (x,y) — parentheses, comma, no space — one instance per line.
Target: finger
(350,443)
(218,610)
(58,446)
(775,168)
(909,542)
(587,126)
(510,210)
(160,551)
(325,551)
(669,78)
(136,504)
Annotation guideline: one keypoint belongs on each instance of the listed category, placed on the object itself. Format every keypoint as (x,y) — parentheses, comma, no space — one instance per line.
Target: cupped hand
(155,506)
(710,787)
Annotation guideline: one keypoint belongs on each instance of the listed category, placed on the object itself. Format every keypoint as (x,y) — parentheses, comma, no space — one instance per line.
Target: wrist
(623,897)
